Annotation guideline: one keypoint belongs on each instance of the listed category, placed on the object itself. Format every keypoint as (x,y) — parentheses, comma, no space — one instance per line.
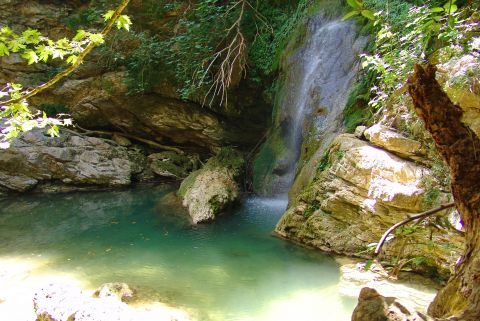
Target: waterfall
(317,78)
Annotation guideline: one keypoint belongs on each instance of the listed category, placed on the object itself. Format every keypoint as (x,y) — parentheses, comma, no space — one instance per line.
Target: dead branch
(419,216)
(133,137)
(231,59)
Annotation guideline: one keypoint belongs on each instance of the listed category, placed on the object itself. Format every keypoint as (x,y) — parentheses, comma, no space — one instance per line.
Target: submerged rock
(357,193)
(211,190)
(119,290)
(67,162)
(374,307)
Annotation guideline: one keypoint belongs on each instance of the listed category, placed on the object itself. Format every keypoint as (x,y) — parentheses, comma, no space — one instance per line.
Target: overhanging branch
(415,217)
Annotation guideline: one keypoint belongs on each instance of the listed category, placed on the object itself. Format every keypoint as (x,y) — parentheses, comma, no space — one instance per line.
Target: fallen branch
(408,220)
(149,142)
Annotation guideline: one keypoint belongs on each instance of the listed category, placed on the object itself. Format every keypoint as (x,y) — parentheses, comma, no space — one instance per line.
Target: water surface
(229,270)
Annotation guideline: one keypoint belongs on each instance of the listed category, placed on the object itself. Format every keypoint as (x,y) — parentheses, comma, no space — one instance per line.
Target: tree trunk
(460,147)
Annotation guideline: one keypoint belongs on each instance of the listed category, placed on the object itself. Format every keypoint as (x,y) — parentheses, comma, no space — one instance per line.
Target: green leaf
(53,131)
(368,265)
(15,45)
(63,43)
(81,34)
(368,14)
(30,56)
(124,22)
(355,4)
(72,59)
(108,15)
(437,9)
(6,31)
(450,7)
(350,14)
(31,36)
(96,38)
(3,50)
(43,53)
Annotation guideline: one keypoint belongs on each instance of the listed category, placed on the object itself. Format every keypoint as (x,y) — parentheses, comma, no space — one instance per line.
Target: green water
(228,270)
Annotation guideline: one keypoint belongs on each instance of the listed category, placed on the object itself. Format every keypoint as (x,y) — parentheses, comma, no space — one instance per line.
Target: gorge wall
(346,190)
(130,128)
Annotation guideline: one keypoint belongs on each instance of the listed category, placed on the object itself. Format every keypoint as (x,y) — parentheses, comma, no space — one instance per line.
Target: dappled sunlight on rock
(412,290)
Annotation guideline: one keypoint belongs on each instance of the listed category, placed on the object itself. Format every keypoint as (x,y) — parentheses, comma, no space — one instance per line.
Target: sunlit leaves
(368,14)
(124,22)
(358,10)
(72,59)
(81,34)
(396,51)
(355,4)
(31,56)
(108,15)
(19,117)
(31,36)
(4,50)
(16,44)
(96,38)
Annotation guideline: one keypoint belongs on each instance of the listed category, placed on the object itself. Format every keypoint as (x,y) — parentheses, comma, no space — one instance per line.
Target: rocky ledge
(73,161)
(363,186)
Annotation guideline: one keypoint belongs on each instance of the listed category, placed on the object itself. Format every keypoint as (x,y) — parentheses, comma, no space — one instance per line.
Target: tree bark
(460,147)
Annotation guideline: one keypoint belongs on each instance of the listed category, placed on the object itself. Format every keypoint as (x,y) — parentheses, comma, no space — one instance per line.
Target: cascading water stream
(318,76)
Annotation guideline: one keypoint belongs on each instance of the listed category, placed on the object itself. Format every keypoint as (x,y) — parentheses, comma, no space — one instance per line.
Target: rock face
(375,307)
(68,162)
(394,142)
(460,78)
(211,190)
(358,192)
(101,101)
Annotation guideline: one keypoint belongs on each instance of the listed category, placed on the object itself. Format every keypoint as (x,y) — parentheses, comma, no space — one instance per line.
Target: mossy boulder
(209,191)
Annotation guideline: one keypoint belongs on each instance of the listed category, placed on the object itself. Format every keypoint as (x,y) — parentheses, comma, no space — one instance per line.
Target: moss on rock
(209,191)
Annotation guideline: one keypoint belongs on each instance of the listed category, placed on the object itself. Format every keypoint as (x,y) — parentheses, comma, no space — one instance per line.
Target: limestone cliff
(359,190)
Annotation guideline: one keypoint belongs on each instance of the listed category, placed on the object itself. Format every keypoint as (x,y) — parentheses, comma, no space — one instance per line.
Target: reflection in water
(229,270)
